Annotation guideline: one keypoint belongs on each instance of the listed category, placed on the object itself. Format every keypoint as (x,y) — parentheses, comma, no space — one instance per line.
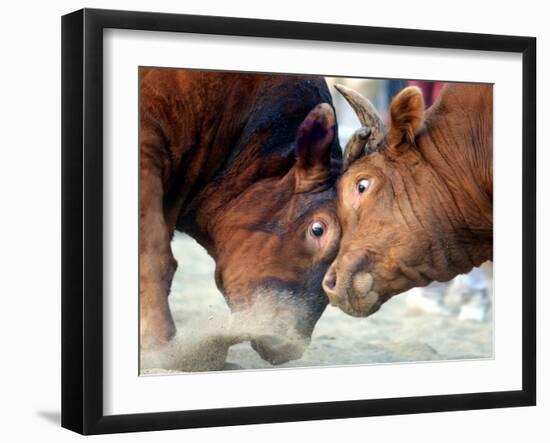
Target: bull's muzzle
(352,289)
(278,327)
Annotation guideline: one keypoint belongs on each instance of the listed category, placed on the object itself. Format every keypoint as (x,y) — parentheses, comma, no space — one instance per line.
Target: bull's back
(191,112)
(205,116)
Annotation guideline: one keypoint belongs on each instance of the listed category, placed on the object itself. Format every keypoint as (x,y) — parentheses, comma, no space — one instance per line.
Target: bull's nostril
(329,282)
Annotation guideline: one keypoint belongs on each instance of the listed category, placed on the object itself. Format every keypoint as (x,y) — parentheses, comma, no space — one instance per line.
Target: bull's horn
(369,118)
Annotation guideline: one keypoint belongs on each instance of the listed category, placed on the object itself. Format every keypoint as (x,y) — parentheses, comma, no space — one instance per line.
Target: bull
(415,202)
(246,164)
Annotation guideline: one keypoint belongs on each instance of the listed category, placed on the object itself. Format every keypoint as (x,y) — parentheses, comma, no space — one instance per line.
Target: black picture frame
(82,220)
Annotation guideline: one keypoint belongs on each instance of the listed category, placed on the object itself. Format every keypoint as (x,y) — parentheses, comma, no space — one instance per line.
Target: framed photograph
(270,221)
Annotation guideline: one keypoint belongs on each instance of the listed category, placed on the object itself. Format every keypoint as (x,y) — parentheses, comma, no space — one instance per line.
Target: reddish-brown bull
(246,164)
(416,202)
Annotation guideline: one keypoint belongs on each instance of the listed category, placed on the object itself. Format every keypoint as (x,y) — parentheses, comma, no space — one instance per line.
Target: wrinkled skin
(418,209)
(246,164)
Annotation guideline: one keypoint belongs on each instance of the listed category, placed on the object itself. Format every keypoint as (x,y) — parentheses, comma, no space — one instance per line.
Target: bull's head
(276,241)
(401,227)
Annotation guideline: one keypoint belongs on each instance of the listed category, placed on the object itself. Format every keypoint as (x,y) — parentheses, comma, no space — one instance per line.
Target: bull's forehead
(368,164)
(307,204)
(276,215)
(366,167)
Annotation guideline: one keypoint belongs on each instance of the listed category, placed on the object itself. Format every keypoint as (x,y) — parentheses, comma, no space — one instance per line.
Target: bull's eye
(318,229)
(362,185)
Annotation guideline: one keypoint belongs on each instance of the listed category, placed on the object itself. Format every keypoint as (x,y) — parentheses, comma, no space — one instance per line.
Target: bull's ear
(407,118)
(313,145)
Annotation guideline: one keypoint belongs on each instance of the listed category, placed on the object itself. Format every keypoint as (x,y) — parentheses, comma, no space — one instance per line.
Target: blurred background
(443,321)
(379,92)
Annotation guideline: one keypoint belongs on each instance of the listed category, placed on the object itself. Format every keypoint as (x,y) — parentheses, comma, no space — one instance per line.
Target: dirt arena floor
(399,332)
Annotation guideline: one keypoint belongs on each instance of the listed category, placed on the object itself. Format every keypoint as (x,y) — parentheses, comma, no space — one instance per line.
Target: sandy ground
(399,332)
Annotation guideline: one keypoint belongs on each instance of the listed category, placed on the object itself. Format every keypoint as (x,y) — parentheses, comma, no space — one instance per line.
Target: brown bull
(416,201)
(246,164)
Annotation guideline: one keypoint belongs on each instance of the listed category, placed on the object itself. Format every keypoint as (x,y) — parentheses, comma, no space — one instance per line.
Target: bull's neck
(459,153)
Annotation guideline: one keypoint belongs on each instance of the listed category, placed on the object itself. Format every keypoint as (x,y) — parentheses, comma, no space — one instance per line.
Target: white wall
(30,217)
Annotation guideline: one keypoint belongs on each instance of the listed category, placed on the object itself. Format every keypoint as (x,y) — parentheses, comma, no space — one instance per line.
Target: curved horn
(373,131)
